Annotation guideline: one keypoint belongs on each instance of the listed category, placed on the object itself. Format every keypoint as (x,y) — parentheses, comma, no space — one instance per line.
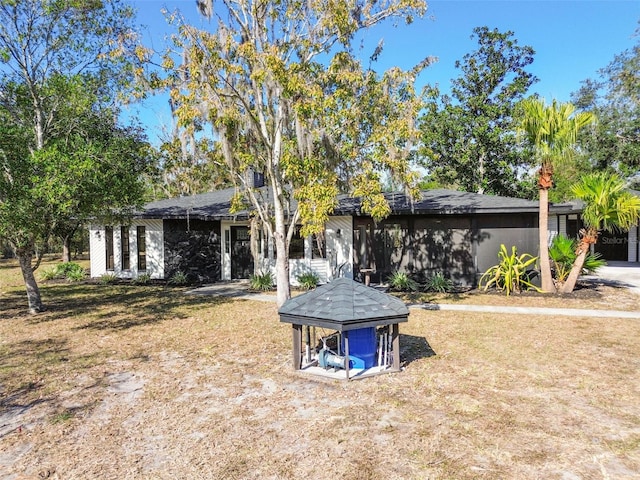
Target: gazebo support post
(297,346)
(346,353)
(395,345)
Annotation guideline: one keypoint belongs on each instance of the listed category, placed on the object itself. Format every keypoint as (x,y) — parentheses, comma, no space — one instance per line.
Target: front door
(241,258)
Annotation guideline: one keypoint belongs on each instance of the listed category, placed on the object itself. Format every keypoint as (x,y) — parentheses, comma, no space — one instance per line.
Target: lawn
(133,381)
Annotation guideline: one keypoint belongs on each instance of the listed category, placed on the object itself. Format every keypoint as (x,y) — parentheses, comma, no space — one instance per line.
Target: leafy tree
(468,139)
(608,206)
(188,166)
(614,145)
(62,154)
(279,84)
(552,131)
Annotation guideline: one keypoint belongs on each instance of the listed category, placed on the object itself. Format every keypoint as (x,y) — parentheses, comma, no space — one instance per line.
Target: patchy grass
(142,381)
(592,294)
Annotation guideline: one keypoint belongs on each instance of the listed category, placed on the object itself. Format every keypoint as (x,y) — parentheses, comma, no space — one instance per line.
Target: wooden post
(297,346)
(395,342)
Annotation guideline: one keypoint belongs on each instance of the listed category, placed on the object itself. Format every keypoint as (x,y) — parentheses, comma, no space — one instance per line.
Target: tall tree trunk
(576,268)
(543,232)
(33,292)
(66,248)
(282,270)
(283,286)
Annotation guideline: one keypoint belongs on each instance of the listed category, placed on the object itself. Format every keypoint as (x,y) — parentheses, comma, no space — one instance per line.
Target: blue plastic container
(362,347)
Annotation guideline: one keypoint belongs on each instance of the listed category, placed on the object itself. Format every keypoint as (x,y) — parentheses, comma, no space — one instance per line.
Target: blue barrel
(362,347)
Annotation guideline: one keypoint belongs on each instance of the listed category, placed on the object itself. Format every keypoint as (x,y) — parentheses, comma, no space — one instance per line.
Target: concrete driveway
(626,274)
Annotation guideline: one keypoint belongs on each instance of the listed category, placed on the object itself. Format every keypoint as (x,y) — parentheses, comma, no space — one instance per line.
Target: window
(142,248)
(108,233)
(126,255)
(296,247)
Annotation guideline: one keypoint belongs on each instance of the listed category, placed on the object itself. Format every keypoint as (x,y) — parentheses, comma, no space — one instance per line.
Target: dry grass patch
(590,294)
(131,381)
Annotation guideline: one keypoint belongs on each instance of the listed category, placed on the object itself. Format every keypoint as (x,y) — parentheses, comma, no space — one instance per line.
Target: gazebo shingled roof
(343,305)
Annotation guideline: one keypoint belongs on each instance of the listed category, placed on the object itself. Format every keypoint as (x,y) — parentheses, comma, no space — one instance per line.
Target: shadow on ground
(414,348)
(121,306)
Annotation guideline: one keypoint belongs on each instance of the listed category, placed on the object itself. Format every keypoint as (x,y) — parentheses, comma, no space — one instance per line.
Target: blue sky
(573,39)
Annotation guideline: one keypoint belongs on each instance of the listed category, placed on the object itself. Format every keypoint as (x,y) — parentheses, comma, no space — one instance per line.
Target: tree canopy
(614,97)
(468,138)
(284,95)
(63,156)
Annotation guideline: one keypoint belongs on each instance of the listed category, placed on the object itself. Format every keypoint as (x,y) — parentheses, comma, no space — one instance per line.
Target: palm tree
(608,206)
(552,131)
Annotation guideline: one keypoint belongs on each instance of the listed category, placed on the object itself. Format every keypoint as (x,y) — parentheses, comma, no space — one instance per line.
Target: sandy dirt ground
(207,390)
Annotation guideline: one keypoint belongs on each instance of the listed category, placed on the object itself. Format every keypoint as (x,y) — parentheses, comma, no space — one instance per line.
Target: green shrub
(402,282)
(438,283)
(70,270)
(108,279)
(308,281)
(592,262)
(178,278)
(68,267)
(142,279)
(262,281)
(73,272)
(76,275)
(49,273)
(562,253)
(511,274)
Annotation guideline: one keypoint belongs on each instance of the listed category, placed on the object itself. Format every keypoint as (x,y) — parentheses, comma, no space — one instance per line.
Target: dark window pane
(108,233)
(296,248)
(126,255)
(142,248)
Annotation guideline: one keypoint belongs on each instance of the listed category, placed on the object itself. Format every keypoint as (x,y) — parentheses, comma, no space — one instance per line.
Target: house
(198,235)
(621,246)
(457,233)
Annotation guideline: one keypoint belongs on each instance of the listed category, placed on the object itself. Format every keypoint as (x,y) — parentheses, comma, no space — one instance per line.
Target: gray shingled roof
(342,305)
(216,205)
(441,201)
(206,206)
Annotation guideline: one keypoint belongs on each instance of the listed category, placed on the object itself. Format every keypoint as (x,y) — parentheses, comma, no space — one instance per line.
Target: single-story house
(456,233)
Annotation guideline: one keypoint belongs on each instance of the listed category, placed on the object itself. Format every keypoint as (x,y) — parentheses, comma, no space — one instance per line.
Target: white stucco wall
(154,250)
(339,235)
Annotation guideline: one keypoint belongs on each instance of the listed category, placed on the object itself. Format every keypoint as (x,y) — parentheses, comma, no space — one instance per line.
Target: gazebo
(365,322)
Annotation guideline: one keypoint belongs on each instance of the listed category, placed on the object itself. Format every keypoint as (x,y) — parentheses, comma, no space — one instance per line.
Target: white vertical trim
(339,246)
(97,251)
(154,236)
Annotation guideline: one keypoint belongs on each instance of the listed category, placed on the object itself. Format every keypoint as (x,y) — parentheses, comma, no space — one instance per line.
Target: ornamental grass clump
(262,281)
(308,281)
(402,282)
(512,274)
(439,283)
(178,278)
